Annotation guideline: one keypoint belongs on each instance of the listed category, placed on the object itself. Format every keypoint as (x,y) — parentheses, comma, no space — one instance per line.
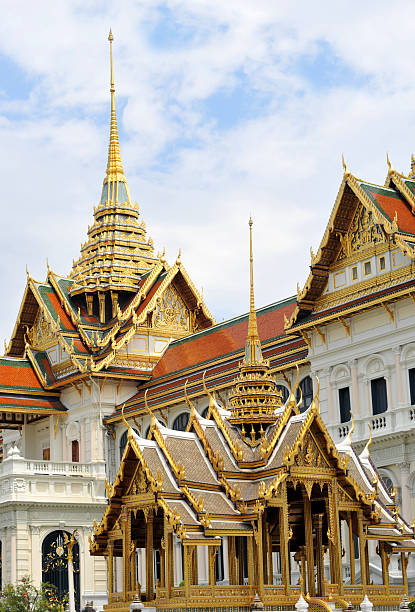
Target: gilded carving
(362,232)
(170,312)
(41,335)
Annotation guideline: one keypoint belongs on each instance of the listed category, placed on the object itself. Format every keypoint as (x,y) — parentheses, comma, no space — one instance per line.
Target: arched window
(181,421)
(55,565)
(123,441)
(284,393)
(388,482)
(306,388)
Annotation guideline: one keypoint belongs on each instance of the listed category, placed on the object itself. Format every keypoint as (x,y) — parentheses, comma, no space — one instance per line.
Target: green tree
(25,597)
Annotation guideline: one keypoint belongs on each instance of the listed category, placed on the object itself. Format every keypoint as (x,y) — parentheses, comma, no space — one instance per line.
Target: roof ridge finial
(114,166)
(253,348)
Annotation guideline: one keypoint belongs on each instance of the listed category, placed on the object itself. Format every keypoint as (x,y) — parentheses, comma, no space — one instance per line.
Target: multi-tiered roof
(117,252)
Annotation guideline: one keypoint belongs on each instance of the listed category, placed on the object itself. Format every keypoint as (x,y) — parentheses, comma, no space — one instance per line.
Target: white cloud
(283,163)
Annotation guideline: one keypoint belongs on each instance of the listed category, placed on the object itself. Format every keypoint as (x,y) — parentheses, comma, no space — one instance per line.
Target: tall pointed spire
(254,397)
(117,252)
(253,352)
(115,170)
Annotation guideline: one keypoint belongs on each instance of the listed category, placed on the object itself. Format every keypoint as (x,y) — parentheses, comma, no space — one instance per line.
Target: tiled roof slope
(217,351)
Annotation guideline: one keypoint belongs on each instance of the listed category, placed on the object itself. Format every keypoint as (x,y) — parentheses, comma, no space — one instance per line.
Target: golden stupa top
(117,252)
(254,399)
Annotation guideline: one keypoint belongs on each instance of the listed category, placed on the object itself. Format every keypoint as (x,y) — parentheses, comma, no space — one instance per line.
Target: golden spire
(254,397)
(253,352)
(115,170)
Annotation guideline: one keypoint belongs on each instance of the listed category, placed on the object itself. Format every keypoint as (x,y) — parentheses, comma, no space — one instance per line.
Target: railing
(394,420)
(52,467)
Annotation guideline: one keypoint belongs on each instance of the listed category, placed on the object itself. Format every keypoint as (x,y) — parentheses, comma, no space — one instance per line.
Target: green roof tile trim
(45,290)
(43,364)
(410,185)
(64,284)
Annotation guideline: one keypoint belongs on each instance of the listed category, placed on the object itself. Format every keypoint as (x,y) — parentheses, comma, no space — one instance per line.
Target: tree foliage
(25,597)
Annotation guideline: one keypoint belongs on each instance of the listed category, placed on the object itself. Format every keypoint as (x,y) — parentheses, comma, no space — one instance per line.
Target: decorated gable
(171,313)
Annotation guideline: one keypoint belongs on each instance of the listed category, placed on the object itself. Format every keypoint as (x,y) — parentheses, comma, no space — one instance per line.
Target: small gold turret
(255,397)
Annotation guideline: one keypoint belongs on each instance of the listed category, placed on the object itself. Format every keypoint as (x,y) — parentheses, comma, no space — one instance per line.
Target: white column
(355,388)
(36,573)
(82,446)
(398,369)
(331,410)
(406,495)
(13,555)
(52,441)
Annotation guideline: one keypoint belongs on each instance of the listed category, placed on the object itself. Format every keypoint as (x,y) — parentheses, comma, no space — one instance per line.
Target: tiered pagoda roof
(117,252)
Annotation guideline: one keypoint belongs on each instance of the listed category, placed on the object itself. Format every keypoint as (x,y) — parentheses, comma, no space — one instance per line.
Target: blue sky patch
(325,69)
(15,83)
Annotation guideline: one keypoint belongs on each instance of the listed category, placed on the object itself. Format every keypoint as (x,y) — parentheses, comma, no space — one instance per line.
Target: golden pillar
(170,561)
(404,565)
(309,544)
(260,556)
(162,553)
(284,539)
(125,523)
(149,556)
(212,565)
(195,570)
(270,566)
(362,550)
(231,560)
(351,548)
(251,572)
(335,535)
(318,526)
(110,570)
(186,578)
(384,563)
(132,566)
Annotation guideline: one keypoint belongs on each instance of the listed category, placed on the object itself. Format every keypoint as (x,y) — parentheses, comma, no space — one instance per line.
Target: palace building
(203,464)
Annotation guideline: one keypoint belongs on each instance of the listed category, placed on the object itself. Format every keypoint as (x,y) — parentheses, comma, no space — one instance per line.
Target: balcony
(393,421)
(28,480)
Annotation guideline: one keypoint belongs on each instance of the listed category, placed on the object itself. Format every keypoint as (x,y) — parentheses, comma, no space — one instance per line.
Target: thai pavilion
(268,478)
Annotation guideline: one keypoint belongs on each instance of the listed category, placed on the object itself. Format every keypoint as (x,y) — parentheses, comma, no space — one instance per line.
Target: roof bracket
(320,333)
(306,339)
(345,326)
(389,311)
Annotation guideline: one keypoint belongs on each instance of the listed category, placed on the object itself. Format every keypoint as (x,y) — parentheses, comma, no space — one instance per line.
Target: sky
(225,109)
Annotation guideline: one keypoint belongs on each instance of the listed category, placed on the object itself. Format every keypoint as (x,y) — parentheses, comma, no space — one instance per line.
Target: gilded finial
(412,173)
(345,168)
(115,168)
(178,260)
(395,225)
(27,272)
(369,442)
(352,427)
(312,255)
(388,161)
(253,352)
